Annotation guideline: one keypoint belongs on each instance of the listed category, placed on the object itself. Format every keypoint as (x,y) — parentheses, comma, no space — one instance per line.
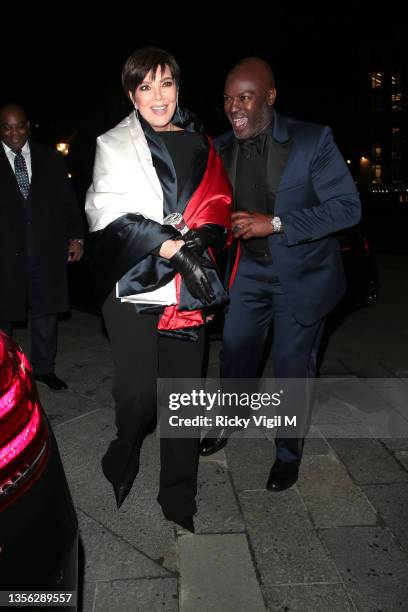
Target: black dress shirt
(251,192)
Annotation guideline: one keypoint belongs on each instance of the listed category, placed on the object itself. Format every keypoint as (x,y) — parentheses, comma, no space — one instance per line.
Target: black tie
(21,173)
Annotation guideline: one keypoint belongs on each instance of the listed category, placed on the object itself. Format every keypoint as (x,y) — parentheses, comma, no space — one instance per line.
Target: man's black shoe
(52,381)
(214,441)
(282,475)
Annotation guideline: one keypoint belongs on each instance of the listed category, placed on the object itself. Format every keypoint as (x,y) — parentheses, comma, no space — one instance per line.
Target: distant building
(383,100)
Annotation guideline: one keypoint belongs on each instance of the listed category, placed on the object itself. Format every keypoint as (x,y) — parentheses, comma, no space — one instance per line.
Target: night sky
(65,66)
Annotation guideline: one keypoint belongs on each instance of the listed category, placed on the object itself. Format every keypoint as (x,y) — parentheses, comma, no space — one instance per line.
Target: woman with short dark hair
(145,60)
(155,285)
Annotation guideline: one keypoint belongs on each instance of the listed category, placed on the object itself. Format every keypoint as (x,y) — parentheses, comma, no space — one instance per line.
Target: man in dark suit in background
(40,229)
(292,190)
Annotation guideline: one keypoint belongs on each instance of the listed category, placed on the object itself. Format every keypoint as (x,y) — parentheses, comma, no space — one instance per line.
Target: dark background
(63,62)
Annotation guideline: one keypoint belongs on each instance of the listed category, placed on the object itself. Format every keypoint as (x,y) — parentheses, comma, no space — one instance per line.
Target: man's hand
(247,224)
(75,251)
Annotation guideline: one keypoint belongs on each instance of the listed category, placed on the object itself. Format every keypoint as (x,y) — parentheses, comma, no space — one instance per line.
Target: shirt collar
(259,142)
(25,149)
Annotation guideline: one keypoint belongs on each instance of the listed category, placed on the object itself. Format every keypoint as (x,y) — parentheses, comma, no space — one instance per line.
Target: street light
(63,148)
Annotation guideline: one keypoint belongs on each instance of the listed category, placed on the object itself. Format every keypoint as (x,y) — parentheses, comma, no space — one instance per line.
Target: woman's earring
(134,104)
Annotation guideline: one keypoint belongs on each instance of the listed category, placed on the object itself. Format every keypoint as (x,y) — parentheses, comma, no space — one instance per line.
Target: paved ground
(337,541)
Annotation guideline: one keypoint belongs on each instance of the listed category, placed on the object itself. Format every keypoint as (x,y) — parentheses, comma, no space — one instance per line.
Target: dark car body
(360,269)
(38,525)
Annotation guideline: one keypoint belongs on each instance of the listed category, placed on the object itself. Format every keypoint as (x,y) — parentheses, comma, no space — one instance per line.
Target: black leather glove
(208,235)
(190,267)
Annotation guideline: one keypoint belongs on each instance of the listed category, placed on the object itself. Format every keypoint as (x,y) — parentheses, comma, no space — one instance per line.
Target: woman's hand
(198,240)
(209,235)
(170,248)
(189,266)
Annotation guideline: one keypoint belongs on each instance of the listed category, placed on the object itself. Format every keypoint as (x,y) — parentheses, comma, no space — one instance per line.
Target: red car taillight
(23,430)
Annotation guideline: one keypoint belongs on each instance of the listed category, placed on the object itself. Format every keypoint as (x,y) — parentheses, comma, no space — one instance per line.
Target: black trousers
(43,341)
(44,327)
(141,356)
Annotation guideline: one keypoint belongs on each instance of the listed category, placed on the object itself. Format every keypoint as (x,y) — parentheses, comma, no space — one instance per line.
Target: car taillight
(23,430)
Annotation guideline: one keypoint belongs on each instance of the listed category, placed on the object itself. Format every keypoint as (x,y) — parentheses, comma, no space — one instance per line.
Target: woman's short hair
(143,61)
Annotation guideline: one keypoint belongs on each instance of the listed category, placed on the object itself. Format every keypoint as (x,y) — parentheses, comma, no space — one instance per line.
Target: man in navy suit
(40,230)
(292,190)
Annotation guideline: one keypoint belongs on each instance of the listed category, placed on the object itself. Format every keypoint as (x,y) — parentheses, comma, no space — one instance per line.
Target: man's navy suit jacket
(314,195)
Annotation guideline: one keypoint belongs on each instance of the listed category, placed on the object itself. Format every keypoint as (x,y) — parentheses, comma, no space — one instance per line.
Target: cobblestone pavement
(336,541)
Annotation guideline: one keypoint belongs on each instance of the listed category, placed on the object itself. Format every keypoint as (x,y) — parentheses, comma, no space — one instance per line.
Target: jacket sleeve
(124,247)
(339,203)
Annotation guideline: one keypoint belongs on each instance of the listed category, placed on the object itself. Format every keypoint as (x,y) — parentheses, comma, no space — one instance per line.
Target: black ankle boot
(121,492)
(214,441)
(121,489)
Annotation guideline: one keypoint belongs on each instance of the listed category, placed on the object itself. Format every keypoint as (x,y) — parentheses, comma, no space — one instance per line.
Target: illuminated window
(396,131)
(376,80)
(377,174)
(396,79)
(396,101)
(376,150)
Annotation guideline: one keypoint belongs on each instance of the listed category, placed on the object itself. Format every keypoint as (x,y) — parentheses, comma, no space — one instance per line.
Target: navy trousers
(257,303)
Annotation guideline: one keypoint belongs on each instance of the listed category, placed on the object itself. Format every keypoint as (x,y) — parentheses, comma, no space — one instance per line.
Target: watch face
(276,224)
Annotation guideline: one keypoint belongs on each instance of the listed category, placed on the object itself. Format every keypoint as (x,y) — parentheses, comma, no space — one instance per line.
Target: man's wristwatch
(80,241)
(277,225)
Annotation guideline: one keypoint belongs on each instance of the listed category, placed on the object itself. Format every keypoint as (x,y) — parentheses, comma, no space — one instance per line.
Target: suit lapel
(279,149)
(8,172)
(36,163)
(278,154)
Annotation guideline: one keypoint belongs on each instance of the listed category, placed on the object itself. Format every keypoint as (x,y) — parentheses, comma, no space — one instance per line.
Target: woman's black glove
(190,268)
(209,235)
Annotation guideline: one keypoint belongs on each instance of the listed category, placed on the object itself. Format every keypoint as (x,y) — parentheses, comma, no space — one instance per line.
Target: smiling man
(292,190)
